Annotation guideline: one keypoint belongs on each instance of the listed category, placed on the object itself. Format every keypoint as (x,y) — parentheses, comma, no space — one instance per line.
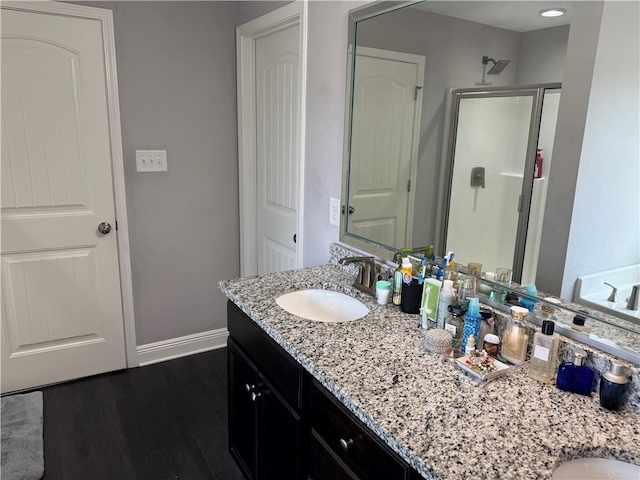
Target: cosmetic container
(454,324)
(614,386)
(447,297)
(575,377)
(491,345)
(472,321)
(515,338)
(544,353)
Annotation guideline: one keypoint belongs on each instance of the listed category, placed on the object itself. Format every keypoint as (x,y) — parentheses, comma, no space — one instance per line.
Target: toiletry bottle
(491,345)
(549,310)
(472,320)
(397,286)
(447,298)
(614,386)
(544,353)
(515,338)
(455,326)
(407,271)
(486,325)
(579,324)
(575,377)
(467,288)
(527,303)
(470,345)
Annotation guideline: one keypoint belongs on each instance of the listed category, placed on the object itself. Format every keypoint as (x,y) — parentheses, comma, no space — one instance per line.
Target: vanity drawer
(274,363)
(351,441)
(324,464)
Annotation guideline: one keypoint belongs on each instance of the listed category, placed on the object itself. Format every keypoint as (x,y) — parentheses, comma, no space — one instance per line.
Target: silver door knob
(104,228)
(248,387)
(254,396)
(345,444)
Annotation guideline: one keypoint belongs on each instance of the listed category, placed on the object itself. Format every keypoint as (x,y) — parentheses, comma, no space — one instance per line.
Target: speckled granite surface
(441,421)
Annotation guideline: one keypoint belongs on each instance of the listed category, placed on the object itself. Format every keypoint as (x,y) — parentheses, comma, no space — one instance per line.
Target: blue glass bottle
(472,321)
(575,377)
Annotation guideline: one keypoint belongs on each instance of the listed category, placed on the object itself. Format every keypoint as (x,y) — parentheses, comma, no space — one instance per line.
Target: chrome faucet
(367,273)
(633,302)
(614,293)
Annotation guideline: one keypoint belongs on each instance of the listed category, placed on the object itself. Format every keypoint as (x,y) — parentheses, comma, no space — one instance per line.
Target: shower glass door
(494,134)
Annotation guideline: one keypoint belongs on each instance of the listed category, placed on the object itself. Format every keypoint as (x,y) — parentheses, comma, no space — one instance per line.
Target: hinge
(116,224)
(408,185)
(417,90)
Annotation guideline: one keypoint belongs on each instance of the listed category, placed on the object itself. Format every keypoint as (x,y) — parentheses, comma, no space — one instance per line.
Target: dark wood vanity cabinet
(283,425)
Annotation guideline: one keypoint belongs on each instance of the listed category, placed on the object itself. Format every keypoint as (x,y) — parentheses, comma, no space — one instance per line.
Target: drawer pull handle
(248,387)
(255,395)
(345,444)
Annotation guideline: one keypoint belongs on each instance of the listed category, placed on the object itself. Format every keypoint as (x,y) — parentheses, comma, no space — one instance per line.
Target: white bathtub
(591,291)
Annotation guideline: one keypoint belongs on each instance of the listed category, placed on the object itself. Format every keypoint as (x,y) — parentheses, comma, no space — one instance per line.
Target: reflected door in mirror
(384,145)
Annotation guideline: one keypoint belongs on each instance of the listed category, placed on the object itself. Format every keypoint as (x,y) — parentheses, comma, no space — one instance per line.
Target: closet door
(61,298)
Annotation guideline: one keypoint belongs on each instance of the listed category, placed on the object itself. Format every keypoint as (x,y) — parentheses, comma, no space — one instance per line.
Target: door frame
(420,62)
(452,102)
(295,13)
(105,17)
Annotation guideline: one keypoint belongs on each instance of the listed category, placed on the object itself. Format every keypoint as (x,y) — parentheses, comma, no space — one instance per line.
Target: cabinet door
(242,381)
(281,437)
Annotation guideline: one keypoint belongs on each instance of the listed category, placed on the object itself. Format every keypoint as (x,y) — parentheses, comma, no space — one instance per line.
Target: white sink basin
(596,469)
(322,305)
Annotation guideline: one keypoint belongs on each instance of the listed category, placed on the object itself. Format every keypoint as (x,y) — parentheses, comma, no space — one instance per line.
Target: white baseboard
(181,346)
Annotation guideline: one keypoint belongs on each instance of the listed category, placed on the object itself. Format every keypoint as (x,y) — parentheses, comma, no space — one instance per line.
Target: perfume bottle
(455,325)
(614,386)
(544,354)
(515,338)
(472,321)
(575,377)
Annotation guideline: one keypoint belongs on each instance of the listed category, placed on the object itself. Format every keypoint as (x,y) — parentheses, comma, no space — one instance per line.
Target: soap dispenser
(613,386)
(575,377)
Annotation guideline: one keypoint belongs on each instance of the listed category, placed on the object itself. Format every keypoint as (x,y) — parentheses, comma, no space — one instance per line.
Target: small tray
(485,377)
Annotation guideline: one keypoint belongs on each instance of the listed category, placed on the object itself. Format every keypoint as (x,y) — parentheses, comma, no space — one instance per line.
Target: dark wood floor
(163,421)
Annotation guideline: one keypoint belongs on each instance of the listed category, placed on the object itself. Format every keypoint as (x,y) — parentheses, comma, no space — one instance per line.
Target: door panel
(278,152)
(381,148)
(61,297)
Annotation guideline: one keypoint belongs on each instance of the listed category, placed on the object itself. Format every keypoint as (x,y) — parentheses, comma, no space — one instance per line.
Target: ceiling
(517,15)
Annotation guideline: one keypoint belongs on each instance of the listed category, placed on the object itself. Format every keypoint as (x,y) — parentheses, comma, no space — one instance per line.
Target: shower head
(497,66)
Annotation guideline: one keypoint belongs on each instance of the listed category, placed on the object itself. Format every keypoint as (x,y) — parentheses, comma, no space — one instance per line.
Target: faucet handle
(614,293)
(633,302)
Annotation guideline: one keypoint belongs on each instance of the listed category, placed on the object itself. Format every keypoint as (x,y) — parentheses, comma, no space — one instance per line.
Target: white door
(61,305)
(277,148)
(385,128)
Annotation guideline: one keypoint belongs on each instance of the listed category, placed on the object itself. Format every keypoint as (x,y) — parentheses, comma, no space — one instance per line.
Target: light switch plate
(151,160)
(334,211)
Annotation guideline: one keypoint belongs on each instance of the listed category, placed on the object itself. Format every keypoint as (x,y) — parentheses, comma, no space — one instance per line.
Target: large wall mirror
(506,136)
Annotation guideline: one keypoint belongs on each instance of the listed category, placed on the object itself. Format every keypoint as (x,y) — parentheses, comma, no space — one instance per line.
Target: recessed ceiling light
(553,12)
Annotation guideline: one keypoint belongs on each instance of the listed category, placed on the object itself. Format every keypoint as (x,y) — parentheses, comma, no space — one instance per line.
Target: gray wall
(606,209)
(248,10)
(326,81)
(542,55)
(572,114)
(176,75)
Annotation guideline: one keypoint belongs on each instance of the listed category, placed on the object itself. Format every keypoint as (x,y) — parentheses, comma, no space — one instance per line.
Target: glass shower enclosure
(495,187)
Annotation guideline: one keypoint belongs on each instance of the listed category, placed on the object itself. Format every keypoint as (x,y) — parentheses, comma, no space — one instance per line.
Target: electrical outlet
(151,160)
(334,211)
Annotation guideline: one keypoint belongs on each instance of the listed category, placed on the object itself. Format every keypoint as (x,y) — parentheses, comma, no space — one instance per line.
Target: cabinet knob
(345,444)
(248,387)
(255,395)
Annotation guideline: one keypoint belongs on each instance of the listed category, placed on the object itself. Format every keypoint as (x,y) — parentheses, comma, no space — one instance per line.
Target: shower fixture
(498,66)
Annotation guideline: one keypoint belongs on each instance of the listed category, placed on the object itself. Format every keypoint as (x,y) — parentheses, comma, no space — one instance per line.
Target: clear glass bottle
(575,377)
(544,353)
(455,326)
(515,338)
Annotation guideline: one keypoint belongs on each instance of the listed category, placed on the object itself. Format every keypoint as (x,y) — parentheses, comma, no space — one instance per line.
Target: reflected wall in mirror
(403,148)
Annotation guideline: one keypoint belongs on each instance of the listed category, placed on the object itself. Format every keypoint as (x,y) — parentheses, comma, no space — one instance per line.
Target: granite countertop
(438,419)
